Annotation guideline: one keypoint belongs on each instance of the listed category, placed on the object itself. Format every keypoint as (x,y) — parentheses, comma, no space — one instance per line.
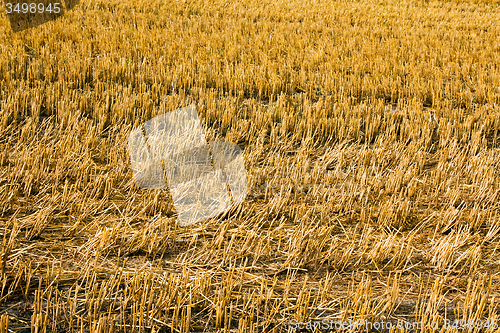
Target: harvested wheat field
(370,136)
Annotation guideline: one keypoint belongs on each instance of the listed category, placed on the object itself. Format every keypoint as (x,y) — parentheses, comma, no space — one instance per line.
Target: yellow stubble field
(370,136)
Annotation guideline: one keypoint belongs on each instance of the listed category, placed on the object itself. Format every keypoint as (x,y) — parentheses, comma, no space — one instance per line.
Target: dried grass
(370,136)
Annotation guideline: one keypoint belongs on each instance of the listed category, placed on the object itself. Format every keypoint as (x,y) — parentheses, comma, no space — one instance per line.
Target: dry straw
(370,135)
